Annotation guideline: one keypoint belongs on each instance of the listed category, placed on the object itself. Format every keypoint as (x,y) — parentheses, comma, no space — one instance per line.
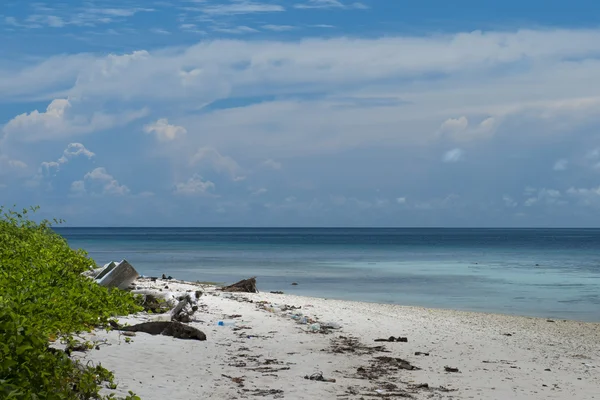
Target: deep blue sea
(535,272)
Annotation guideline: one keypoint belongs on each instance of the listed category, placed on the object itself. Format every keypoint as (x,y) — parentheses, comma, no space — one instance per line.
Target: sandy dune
(498,357)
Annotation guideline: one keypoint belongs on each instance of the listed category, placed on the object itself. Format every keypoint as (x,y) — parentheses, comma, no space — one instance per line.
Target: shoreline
(497,356)
(217,285)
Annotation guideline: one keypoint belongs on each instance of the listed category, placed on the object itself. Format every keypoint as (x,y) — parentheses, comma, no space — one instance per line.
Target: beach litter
(119,275)
(345,344)
(451,369)
(393,339)
(318,376)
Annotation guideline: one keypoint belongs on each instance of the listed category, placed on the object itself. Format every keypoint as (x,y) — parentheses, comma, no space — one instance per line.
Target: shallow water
(536,272)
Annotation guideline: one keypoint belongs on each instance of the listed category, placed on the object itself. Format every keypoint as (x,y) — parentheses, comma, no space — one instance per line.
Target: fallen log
(167,328)
(243,286)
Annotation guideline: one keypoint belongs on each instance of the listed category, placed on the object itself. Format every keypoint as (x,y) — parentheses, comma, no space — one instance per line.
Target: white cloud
(549,91)
(546,196)
(75,150)
(106,182)
(561,165)
(194,186)
(588,197)
(322,4)
(241,7)
(278,28)
(58,122)
(454,125)
(164,131)
(51,168)
(460,129)
(454,155)
(272,164)
(118,12)
(78,187)
(87,17)
(401,200)
(236,30)
(219,162)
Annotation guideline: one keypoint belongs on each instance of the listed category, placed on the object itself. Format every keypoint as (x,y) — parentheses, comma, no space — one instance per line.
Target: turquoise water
(536,272)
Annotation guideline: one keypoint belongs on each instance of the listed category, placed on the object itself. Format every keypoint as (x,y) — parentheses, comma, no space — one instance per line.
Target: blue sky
(302,113)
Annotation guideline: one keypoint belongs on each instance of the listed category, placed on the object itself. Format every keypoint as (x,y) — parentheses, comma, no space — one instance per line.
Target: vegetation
(43,299)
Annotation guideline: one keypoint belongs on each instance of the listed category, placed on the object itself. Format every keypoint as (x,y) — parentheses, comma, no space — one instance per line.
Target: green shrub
(43,298)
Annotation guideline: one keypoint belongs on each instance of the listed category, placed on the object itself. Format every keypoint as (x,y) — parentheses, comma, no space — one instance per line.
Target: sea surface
(553,273)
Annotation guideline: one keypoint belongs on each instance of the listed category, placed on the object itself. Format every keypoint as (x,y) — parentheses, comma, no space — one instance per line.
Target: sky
(302,112)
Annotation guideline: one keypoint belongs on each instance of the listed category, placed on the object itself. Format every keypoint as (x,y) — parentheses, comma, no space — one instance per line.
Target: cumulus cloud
(220,163)
(99,180)
(164,131)
(272,164)
(544,196)
(461,130)
(194,186)
(454,155)
(73,150)
(588,197)
(58,122)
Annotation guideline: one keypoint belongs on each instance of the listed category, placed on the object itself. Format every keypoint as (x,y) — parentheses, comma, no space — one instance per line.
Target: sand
(497,356)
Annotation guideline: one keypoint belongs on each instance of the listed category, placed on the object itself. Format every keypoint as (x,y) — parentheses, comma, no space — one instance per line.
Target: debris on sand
(393,339)
(344,344)
(167,328)
(450,369)
(397,363)
(238,380)
(119,275)
(243,286)
(318,376)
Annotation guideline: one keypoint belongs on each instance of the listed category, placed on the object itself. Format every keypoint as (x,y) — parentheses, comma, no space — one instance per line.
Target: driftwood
(172,328)
(244,286)
(179,313)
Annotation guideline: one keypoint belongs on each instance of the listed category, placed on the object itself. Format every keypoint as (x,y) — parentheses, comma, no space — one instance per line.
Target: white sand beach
(497,356)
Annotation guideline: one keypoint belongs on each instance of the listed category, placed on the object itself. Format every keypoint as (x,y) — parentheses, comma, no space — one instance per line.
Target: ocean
(551,273)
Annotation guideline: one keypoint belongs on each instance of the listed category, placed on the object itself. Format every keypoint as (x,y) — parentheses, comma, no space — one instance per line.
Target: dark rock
(167,328)
(243,286)
(451,369)
(294,284)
